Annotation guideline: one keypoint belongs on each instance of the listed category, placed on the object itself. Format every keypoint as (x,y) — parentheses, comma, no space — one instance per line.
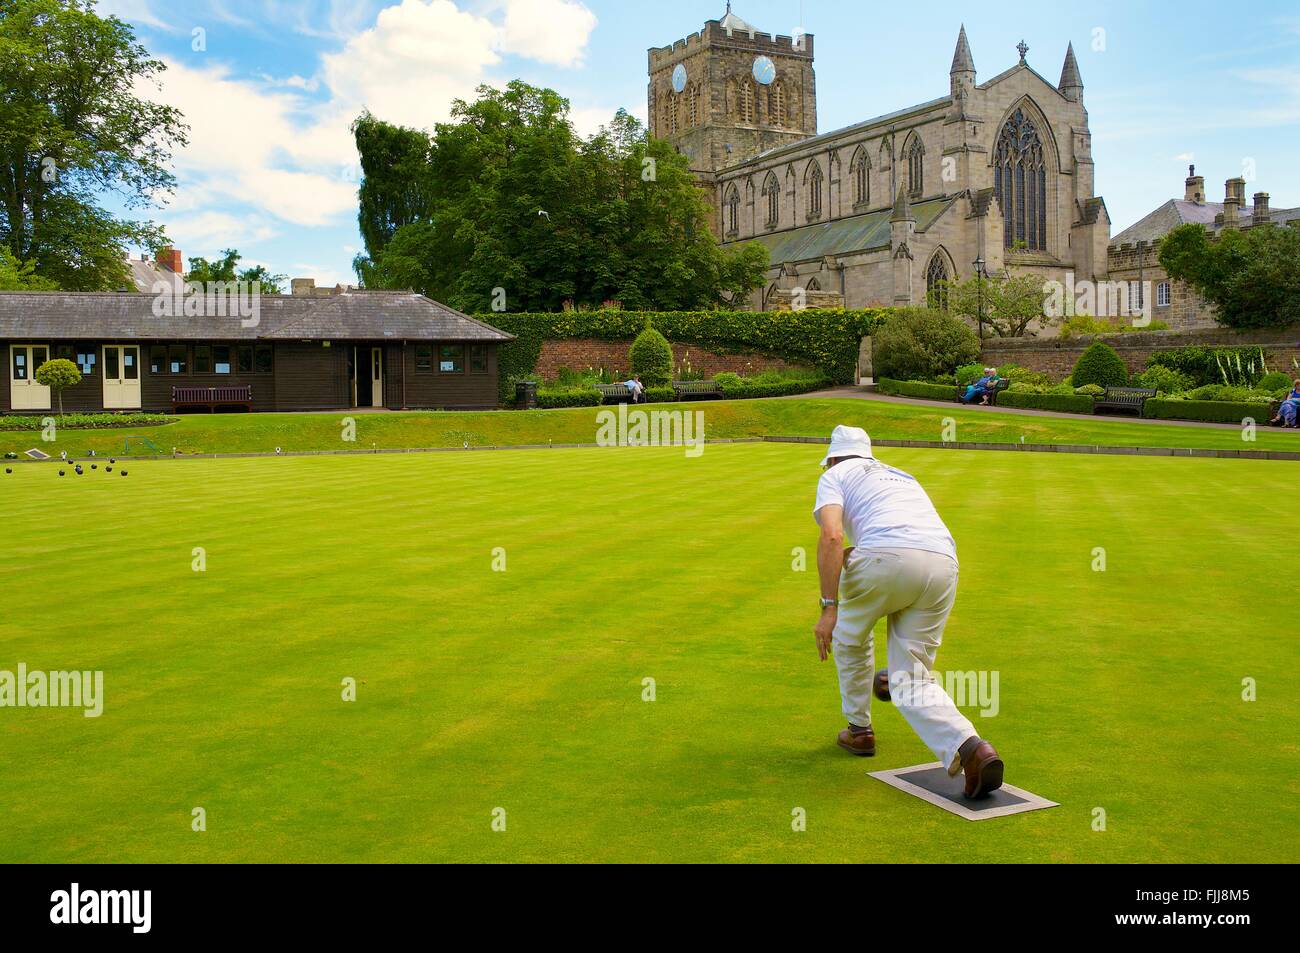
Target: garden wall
(578,354)
(1057,357)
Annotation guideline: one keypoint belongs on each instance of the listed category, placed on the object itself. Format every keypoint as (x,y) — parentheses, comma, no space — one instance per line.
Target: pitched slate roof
(1175,212)
(349,316)
(844,235)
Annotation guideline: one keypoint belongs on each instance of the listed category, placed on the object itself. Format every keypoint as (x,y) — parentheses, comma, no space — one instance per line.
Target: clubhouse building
(311,350)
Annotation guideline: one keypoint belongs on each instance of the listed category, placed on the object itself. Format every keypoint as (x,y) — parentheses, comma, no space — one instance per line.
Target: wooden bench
(696,390)
(614,393)
(1124,398)
(229,395)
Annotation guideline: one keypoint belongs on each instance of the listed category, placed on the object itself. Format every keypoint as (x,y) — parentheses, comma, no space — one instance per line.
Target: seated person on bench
(982,389)
(635,390)
(1286,414)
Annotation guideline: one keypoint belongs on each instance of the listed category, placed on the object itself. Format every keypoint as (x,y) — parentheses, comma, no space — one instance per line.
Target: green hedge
(569,397)
(917,389)
(823,339)
(1213,411)
(747,391)
(85,421)
(1061,403)
(660,395)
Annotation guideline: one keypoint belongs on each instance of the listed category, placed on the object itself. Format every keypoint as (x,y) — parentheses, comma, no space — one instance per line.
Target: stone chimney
(302,287)
(1234,196)
(1195,192)
(171,259)
(1259,215)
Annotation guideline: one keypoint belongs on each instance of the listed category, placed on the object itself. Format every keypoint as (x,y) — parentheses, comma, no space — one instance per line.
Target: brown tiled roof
(353,315)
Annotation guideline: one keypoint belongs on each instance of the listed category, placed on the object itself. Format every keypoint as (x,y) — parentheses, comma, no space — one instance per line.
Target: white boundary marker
(895,779)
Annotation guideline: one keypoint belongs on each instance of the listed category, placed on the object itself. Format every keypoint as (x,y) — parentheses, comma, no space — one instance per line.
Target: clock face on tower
(764,70)
(679,78)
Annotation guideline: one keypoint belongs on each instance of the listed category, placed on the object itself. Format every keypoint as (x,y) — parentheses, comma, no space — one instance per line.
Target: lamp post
(980,275)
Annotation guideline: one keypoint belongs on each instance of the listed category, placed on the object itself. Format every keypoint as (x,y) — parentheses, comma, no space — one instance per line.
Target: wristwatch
(828,603)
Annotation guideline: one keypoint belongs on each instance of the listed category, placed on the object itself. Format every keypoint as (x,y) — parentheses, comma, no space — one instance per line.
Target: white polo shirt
(884,508)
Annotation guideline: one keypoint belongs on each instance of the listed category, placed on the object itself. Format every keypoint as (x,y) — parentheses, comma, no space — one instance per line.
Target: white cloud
(550,31)
(208,233)
(133,11)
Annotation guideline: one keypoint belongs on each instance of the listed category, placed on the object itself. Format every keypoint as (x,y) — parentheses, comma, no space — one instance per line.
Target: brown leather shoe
(862,743)
(881,685)
(983,770)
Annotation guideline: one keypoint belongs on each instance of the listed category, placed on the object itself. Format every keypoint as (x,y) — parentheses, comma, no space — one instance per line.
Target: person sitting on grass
(1286,414)
(982,390)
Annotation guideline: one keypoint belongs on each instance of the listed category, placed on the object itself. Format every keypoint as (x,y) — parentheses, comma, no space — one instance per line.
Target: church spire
(962,61)
(1071,85)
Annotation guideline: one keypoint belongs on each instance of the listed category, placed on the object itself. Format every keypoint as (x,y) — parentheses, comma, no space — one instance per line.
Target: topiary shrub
(1100,365)
(1274,381)
(920,344)
(1090,390)
(651,357)
(1164,380)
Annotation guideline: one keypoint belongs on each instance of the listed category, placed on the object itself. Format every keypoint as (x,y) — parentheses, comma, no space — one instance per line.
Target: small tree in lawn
(58,375)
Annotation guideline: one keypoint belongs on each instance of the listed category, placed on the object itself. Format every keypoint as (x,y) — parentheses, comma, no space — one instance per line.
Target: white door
(121,377)
(24,392)
(376,377)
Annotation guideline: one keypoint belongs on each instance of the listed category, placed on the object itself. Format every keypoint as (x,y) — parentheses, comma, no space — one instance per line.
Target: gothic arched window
(776,110)
(745,100)
(692,105)
(814,181)
(772,193)
(860,168)
(731,208)
(936,276)
(1020,182)
(915,173)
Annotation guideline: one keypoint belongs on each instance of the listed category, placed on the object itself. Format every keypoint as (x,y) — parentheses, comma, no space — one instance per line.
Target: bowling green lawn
(520,694)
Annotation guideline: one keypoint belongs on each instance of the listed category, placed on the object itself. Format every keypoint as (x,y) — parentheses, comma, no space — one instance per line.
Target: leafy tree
(1099,365)
(920,344)
(74,129)
(1251,277)
(651,356)
(225,269)
(511,198)
(58,375)
(20,276)
(1011,303)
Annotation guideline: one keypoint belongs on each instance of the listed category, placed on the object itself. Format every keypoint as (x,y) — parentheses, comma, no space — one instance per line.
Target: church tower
(729,92)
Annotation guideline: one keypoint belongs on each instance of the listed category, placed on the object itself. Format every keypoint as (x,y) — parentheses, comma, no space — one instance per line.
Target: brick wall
(1057,357)
(579,354)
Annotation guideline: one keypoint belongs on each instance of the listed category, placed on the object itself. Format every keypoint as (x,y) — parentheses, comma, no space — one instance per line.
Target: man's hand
(824,629)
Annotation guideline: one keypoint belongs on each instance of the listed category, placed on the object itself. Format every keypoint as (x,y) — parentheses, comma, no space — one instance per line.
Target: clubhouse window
(83,357)
(451,358)
(221,359)
(202,359)
(424,357)
(478,359)
(264,359)
(169,359)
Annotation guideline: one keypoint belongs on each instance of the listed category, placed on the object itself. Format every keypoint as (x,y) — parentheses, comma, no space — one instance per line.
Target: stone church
(879,212)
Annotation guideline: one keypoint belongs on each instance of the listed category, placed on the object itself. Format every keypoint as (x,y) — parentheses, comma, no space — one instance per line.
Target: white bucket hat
(848,442)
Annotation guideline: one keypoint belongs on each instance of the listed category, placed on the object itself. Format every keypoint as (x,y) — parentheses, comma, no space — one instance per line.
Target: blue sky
(270,93)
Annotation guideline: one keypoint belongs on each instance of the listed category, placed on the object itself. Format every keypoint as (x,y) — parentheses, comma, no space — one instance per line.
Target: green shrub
(1023,375)
(1061,403)
(659,395)
(1099,364)
(727,379)
(88,421)
(1086,324)
(748,388)
(1213,411)
(569,397)
(1275,381)
(916,389)
(1222,392)
(968,374)
(916,344)
(1163,380)
(1090,390)
(652,357)
(1215,365)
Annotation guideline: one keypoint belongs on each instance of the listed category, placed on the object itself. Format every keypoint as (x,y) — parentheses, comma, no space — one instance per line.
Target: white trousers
(916,591)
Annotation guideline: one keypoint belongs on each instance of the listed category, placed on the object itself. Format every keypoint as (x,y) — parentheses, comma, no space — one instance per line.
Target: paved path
(861,393)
